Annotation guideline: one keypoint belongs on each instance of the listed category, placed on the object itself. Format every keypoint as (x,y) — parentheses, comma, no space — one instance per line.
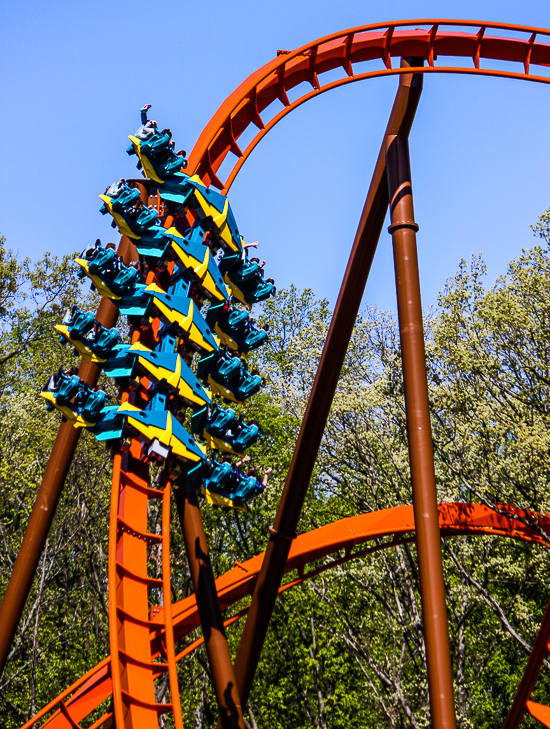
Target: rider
(148,126)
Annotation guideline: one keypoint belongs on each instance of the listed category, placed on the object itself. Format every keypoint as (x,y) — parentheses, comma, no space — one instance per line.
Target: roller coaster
(184,278)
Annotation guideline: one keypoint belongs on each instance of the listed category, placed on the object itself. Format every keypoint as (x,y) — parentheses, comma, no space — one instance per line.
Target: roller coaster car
(213,479)
(228,376)
(105,340)
(78,323)
(171,375)
(108,274)
(153,244)
(223,485)
(244,279)
(181,316)
(223,430)
(156,158)
(90,339)
(235,328)
(119,364)
(109,427)
(129,214)
(196,262)
(214,212)
(91,404)
(103,260)
(81,406)
(251,293)
(240,268)
(247,487)
(60,391)
(156,143)
(161,433)
(122,196)
(134,302)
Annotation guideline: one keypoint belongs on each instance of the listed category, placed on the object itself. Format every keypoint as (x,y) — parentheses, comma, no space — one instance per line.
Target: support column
(428,539)
(531,671)
(320,400)
(49,493)
(210,614)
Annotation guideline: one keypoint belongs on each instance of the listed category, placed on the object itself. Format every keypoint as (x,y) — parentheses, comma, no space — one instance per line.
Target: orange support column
(130,625)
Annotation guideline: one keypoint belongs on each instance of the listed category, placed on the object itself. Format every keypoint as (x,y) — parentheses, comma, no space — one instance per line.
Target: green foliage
(346,648)
(63,632)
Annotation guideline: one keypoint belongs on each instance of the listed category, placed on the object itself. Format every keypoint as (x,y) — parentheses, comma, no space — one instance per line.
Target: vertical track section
(130,600)
(133,594)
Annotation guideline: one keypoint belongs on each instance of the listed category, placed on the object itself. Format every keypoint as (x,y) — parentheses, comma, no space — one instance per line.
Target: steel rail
(377,42)
(363,77)
(133,671)
(339,543)
(167,605)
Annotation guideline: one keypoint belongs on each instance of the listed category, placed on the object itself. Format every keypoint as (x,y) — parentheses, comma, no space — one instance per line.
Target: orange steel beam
(343,541)
(377,43)
(530,674)
(132,669)
(167,603)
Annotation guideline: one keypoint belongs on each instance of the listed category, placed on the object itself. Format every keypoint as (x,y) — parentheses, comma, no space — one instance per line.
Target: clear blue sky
(74,75)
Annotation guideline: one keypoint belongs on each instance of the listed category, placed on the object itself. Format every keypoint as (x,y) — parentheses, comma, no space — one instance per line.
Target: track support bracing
(219,658)
(322,393)
(522,702)
(424,491)
(49,494)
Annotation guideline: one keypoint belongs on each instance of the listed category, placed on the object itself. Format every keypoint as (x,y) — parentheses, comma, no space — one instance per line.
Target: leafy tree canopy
(345,649)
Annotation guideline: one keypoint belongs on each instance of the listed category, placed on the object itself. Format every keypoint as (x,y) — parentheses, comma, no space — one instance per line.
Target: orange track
(376,44)
(139,632)
(394,526)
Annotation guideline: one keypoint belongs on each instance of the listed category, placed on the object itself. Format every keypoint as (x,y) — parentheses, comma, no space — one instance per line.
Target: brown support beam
(419,432)
(322,393)
(530,674)
(221,666)
(48,495)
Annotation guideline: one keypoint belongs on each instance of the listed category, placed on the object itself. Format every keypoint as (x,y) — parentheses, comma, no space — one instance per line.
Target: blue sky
(74,76)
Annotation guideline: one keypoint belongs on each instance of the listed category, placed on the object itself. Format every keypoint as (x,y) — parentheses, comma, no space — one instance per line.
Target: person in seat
(79,323)
(94,401)
(148,126)
(247,485)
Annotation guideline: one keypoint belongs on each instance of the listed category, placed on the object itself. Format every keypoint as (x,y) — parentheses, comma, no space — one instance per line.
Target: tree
(63,631)
(345,649)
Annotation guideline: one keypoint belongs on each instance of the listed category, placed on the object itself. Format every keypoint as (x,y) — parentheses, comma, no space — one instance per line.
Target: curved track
(266,89)
(335,543)
(142,625)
